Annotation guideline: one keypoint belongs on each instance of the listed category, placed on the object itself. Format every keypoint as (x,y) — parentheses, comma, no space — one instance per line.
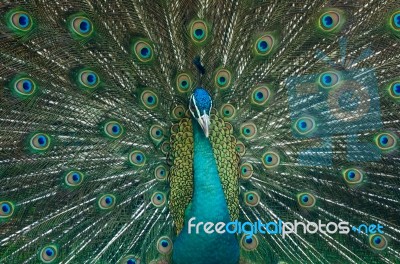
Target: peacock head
(200,106)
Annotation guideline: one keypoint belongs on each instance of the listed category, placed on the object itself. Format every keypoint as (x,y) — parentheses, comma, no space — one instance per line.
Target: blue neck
(208,205)
(208,192)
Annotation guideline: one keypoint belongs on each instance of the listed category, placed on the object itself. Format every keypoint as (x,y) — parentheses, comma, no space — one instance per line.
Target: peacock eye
(48,253)
(113,129)
(328,79)
(130,259)
(251,198)
(158,199)
(240,148)
(107,201)
(395,89)
(246,170)
(248,130)
(74,178)
(40,141)
(165,147)
(227,111)
(395,21)
(178,112)
(378,241)
(306,200)
(164,245)
(198,31)
(249,243)
(264,45)
(161,172)
(143,51)
(183,82)
(222,79)
(353,176)
(24,86)
(156,133)
(260,96)
(149,99)
(20,21)
(386,141)
(305,125)
(137,158)
(81,26)
(270,159)
(329,20)
(89,79)
(6,209)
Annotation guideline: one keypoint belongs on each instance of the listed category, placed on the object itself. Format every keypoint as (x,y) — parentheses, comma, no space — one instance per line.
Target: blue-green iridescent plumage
(121,120)
(208,205)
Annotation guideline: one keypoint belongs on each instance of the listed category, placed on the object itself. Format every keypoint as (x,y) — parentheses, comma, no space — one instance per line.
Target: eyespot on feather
(240,148)
(394,90)
(158,199)
(227,111)
(306,200)
(249,243)
(23,87)
(156,133)
(199,31)
(113,129)
(164,245)
(143,50)
(353,176)
(260,95)
(386,141)
(161,173)
(88,79)
(48,253)
(137,158)
(394,21)
(248,130)
(178,112)
(222,78)
(184,82)
(305,125)
(80,26)
(19,21)
(130,259)
(106,201)
(378,241)
(264,45)
(328,79)
(74,178)
(246,171)
(251,198)
(149,99)
(6,209)
(270,159)
(40,142)
(331,21)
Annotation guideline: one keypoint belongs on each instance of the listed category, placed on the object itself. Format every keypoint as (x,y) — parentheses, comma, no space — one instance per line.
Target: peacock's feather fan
(94,95)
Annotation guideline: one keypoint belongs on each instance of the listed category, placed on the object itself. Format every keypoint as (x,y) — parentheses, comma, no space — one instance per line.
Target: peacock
(136,131)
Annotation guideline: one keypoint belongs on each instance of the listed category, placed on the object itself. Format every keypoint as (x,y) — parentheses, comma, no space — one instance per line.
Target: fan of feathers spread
(115,116)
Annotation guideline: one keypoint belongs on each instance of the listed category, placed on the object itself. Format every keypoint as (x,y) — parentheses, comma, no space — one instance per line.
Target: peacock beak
(204,122)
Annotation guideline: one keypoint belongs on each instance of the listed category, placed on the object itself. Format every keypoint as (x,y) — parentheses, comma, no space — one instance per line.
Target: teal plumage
(121,120)
(208,204)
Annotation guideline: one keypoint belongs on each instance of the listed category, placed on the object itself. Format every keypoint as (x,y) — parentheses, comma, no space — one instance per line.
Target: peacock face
(200,106)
